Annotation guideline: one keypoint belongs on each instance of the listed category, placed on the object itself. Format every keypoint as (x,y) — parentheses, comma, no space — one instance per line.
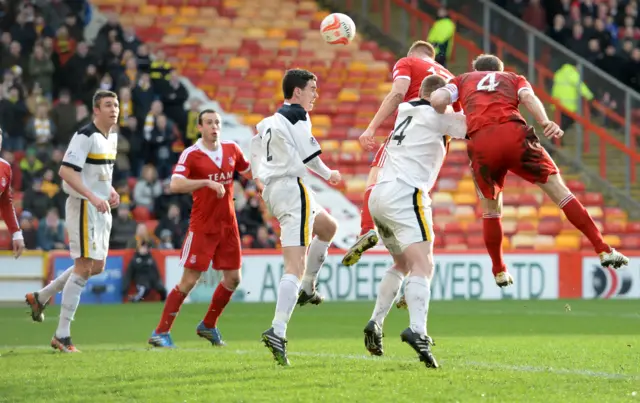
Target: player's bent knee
(325,226)
(189,280)
(231,279)
(83,266)
(555,188)
(97,267)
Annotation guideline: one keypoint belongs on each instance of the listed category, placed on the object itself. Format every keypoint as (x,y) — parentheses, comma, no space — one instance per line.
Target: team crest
(231,162)
(193,259)
(313,141)
(4,182)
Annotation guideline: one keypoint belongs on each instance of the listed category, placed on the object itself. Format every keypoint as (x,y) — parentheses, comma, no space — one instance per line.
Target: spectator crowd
(605,32)
(49,75)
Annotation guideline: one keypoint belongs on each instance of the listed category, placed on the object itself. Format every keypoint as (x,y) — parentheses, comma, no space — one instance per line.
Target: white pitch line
(357,357)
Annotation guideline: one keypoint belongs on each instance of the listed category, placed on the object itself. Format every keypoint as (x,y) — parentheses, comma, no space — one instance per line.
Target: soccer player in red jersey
(206,170)
(7,211)
(500,140)
(408,74)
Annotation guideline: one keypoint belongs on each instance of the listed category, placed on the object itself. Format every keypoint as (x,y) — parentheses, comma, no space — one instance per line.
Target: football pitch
(502,351)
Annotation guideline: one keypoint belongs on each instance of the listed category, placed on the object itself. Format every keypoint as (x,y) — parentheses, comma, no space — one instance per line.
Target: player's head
(430,84)
(209,125)
(106,108)
(421,49)
(300,87)
(488,63)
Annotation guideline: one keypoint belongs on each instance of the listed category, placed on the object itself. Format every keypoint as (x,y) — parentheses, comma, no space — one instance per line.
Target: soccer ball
(337,29)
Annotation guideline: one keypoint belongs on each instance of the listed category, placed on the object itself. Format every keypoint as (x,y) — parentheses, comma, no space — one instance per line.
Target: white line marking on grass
(462,364)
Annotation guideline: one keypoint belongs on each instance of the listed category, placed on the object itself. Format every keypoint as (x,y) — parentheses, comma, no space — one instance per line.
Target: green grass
(504,351)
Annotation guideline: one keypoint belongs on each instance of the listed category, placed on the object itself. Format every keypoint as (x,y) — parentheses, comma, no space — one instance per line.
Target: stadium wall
(459,275)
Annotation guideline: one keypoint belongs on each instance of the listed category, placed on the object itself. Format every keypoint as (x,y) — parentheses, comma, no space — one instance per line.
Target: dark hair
(295,78)
(202,113)
(430,84)
(102,94)
(488,63)
(423,46)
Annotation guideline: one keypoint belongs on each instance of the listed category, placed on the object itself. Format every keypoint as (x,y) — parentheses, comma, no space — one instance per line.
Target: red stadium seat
(592,199)
(550,226)
(141,213)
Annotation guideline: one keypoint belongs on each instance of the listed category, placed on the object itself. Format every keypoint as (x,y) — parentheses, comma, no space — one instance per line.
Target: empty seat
(568,242)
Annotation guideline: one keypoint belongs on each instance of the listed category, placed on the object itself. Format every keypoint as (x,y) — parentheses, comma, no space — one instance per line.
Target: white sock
(315,258)
(70,300)
(387,292)
(287,298)
(54,286)
(417,292)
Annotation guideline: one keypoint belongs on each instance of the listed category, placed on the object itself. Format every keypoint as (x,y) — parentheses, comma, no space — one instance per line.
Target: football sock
(221,297)
(418,293)
(580,218)
(387,293)
(492,232)
(366,222)
(287,298)
(171,309)
(55,286)
(70,301)
(315,258)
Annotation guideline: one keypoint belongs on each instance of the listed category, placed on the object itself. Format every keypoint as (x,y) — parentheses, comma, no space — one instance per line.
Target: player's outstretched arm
(319,167)
(8,213)
(536,108)
(440,99)
(387,108)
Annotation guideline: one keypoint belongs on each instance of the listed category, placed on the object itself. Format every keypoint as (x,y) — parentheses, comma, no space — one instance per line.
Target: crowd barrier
(459,275)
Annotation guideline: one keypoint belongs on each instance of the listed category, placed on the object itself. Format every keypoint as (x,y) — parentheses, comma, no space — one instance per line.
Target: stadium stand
(238,62)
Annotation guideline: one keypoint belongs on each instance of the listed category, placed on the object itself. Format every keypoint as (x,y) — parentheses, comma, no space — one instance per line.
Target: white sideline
(6,350)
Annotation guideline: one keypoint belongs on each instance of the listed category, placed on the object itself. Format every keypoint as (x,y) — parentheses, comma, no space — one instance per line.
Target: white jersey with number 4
(417,147)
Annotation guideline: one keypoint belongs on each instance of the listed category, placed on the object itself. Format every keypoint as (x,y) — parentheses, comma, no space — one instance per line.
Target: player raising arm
(287,149)
(401,209)
(6,206)
(408,74)
(206,171)
(501,141)
(87,170)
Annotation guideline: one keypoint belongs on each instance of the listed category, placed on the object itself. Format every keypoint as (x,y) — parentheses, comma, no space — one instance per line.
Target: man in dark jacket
(144,273)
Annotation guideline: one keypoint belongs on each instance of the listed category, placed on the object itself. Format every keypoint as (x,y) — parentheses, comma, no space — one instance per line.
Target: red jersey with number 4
(210,214)
(488,97)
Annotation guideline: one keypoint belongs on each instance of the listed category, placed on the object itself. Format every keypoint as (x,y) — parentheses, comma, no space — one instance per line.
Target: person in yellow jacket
(565,90)
(441,36)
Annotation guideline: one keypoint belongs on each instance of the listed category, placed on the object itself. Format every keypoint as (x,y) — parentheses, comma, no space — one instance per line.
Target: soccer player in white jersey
(281,153)
(87,170)
(400,206)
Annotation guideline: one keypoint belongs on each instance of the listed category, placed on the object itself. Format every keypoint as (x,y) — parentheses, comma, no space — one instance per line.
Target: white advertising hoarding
(457,276)
(599,282)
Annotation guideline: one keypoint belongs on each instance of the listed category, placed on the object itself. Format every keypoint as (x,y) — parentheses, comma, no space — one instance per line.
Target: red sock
(366,222)
(580,218)
(171,308)
(220,299)
(492,231)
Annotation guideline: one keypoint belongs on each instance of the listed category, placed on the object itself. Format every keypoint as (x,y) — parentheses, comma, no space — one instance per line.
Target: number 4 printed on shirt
(488,83)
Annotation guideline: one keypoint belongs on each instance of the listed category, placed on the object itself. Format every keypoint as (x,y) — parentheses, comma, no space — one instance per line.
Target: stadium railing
(481,29)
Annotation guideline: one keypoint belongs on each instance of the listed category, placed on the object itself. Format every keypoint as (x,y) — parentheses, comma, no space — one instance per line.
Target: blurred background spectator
(49,74)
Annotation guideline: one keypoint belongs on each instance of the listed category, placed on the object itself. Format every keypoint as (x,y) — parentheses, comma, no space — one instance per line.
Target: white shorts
(88,229)
(402,214)
(293,205)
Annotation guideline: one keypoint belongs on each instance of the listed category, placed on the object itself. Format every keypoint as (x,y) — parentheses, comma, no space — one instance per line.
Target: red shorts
(512,146)
(381,154)
(199,249)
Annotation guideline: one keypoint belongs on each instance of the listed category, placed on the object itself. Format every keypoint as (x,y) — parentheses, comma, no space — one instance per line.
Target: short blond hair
(423,46)
(430,84)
